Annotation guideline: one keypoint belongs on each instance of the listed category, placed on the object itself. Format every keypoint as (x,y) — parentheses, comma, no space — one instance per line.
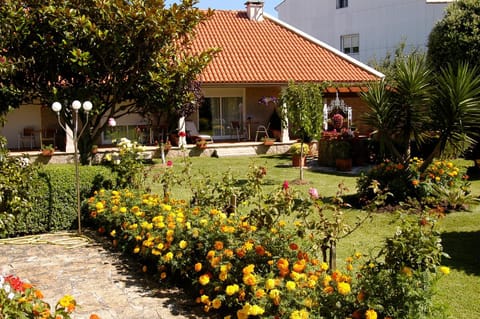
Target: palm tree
(412,83)
(455,110)
(382,117)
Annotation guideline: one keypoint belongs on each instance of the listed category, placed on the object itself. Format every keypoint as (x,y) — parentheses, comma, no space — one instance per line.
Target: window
(342,4)
(350,43)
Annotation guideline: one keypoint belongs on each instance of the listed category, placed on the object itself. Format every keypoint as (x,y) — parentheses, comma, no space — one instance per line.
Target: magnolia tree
(304,111)
(121,55)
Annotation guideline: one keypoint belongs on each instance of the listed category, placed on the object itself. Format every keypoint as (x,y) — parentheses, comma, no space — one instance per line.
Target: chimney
(255,10)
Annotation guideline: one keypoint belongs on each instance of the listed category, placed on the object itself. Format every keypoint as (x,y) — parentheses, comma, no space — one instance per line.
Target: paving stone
(101,281)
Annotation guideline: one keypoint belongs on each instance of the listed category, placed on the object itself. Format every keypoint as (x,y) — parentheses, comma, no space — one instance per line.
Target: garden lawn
(458,292)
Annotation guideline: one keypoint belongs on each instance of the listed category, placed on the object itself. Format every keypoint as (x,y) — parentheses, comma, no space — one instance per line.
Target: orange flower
(218,245)
(198,267)
(260,250)
(415,182)
(282,265)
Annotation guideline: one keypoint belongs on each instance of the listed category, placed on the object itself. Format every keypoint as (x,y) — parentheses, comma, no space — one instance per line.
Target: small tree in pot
(304,112)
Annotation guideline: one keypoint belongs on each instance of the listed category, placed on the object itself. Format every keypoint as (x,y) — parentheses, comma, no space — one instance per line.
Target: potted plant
(47,150)
(343,155)
(94,149)
(268,141)
(299,153)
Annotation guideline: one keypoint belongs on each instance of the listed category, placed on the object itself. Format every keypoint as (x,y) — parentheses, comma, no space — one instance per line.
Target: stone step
(236,151)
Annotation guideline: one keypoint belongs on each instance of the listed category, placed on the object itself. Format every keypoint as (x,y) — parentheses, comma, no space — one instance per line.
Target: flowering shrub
(19,299)
(127,163)
(442,184)
(243,267)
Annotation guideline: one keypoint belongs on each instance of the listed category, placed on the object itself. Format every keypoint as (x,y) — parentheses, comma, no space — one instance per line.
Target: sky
(232,5)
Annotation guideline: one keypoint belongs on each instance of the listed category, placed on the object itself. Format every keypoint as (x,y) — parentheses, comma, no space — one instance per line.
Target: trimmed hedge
(52,195)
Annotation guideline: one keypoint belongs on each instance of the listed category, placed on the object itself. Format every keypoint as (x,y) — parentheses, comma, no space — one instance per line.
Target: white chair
(262,129)
(192,131)
(27,135)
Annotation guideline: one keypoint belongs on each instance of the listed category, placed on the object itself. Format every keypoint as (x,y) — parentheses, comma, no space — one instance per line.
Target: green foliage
(299,149)
(42,199)
(456,38)
(19,299)
(121,55)
(127,164)
(304,109)
(399,282)
(442,185)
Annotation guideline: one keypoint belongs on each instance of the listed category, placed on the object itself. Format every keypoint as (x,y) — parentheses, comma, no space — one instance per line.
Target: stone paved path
(101,281)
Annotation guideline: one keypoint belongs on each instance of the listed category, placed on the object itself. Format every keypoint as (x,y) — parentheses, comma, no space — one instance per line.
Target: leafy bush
(19,299)
(44,198)
(16,186)
(441,185)
(127,164)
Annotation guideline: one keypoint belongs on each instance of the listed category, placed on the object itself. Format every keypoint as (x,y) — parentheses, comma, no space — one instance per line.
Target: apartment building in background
(365,29)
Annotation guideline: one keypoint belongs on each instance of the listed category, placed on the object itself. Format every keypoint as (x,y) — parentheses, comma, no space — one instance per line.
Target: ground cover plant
(136,235)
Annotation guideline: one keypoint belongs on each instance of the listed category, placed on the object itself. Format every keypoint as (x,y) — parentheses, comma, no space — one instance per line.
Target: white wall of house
(380,24)
(17,120)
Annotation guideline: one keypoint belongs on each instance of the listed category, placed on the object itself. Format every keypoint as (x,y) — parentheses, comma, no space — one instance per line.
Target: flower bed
(19,299)
(243,270)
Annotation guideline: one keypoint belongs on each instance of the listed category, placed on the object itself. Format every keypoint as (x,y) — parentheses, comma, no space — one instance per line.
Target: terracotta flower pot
(297,159)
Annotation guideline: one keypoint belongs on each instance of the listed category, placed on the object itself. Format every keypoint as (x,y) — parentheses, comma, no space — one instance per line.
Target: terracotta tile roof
(271,52)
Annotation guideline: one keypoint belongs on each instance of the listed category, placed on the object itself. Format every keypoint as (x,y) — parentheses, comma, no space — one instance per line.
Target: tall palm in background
(455,110)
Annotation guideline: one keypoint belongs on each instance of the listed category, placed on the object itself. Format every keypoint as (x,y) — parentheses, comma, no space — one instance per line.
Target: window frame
(342,4)
(351,48)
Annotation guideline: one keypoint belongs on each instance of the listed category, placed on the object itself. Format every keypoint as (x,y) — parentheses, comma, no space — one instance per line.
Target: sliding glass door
(217,114)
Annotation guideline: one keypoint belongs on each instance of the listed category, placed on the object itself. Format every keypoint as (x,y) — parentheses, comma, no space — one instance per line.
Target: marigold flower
(343,288)
(299,265)
(260,293)
(444,270)
(415,182)
(218,245)
(94,316)
(168,256)
(250,280)
(274,295)
(232,289)
(204,279)
(290,285)
(407,271)
(248,269)
(198,267)
(183,244)
(68,302)
(324,266)
(256,310)
(299,314)
(370,314)
(270,284)
(216,303)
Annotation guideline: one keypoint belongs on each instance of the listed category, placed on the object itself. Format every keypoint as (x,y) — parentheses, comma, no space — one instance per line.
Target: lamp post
(75,135)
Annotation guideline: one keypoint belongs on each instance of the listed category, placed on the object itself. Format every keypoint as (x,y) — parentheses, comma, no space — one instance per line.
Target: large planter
(297,160)
(343,164)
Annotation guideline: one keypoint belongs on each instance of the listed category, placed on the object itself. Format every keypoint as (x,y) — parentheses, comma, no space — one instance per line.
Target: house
(365,30)
(259,56)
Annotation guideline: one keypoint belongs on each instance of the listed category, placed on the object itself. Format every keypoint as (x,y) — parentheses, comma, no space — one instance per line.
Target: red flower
(285,185)
(169,163)
(15,283)
(182,134)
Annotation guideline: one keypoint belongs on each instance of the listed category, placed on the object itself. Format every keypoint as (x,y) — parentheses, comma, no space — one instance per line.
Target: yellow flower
(343,288)
(256,310)
(232,289)
(68,302)
(250,280)
(407,271)
(324,266)
(216,303)
(370,314)
(99,206)
(136,250)
(444,270)
(274,294)
(270,284)
(248,269)
(183,244)
(290,285)
(168,256)
(204,279)
(299,314)
(113,233)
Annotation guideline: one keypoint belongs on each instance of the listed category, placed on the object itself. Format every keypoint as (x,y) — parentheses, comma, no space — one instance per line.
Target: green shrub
(45,197)
(441,185)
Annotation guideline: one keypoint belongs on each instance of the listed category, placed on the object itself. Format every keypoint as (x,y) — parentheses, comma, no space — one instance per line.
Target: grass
(459,292)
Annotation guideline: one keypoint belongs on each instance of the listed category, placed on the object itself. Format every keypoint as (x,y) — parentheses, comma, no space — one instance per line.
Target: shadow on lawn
(463,250)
